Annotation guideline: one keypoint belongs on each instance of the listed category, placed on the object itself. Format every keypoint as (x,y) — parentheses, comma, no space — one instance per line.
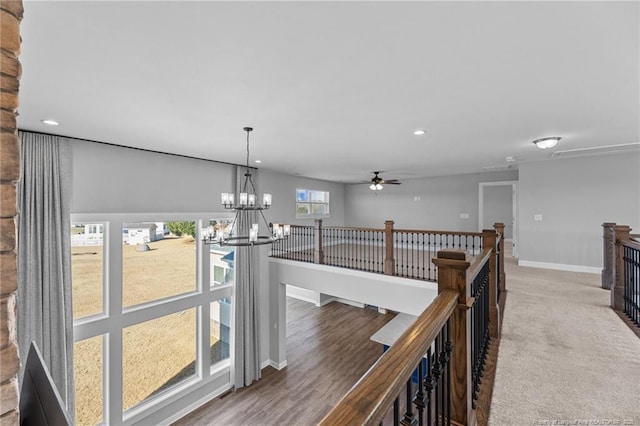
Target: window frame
(115,318)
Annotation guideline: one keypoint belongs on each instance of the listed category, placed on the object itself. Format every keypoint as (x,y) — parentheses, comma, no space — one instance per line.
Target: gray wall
(497,202)
(441,201)
(575,196)
(283,188)
(111,179)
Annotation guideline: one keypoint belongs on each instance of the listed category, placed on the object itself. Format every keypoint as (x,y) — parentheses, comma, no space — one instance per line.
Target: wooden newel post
(452,275)
(608,253)
(489,238)
(389,262)
(617,290)
(502,278)
(318,253)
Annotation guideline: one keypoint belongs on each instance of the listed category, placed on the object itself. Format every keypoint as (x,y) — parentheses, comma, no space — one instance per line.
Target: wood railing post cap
(607,224)
(452,254)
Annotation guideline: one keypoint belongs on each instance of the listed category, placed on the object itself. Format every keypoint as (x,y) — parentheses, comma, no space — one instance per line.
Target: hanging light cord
(248,150)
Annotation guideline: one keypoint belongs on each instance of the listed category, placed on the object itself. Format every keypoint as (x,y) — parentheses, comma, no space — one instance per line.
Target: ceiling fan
(376,183)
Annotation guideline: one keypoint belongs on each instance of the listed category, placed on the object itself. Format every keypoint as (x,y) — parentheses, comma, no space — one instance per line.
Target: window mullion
(203,265)
(113,349)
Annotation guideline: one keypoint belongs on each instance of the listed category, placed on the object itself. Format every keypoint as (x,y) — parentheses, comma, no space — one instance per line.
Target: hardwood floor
(328,350)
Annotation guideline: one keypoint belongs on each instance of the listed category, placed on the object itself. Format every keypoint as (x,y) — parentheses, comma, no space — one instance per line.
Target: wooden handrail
(478,262)
(372,396)
(631,244)
(355,228)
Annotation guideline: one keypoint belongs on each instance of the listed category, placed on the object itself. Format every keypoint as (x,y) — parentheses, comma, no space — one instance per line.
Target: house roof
(139,225)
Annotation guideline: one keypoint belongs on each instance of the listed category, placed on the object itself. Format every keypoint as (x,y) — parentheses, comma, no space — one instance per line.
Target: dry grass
(156,353)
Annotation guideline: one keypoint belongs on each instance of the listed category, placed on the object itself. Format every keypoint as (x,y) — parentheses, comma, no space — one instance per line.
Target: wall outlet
(537,217)
(416,198)
(464,215)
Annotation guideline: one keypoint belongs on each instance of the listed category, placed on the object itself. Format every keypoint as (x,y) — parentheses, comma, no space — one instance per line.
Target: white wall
(442,200)
(575,196)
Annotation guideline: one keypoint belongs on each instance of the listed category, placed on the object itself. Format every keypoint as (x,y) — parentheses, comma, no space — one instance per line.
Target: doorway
(498,202)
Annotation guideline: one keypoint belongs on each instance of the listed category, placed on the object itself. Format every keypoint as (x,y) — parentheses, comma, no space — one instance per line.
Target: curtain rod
(138,149)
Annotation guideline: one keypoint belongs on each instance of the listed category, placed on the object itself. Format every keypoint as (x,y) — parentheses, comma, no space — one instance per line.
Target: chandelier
(245,229)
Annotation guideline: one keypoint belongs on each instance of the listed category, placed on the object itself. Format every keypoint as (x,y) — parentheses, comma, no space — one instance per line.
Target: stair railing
(446,346)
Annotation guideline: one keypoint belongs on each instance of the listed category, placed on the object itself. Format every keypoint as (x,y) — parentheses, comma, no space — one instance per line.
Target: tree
(182,228)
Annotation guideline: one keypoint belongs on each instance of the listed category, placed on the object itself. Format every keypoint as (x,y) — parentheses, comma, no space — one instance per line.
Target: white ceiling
(335,90)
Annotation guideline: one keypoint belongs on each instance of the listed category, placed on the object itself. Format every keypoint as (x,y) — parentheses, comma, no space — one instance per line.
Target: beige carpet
(565,357)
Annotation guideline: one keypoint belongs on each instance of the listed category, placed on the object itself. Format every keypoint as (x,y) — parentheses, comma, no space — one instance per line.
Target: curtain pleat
(44,257)
(247,315)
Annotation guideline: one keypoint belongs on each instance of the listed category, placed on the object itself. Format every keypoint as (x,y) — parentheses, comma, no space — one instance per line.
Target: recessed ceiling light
(545,143)
(50,122)
(258,161)
(419,132)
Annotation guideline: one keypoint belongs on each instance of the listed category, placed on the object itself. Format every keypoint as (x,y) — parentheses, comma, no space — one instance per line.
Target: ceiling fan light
(546,143)
(372,187)
(379,187)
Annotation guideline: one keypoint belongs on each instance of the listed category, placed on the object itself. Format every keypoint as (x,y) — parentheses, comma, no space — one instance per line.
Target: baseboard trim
(272,363)
(350,302)
(199,403)
(560,267)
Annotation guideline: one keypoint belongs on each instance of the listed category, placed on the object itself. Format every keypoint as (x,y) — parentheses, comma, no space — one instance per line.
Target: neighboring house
(161,230)
(139,233)
(91,235)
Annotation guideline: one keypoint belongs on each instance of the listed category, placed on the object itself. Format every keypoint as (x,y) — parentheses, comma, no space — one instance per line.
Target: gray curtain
(44,257)
(247,328)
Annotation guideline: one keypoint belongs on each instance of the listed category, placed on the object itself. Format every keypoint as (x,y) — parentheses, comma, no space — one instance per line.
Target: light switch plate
(537,217)
(464,215)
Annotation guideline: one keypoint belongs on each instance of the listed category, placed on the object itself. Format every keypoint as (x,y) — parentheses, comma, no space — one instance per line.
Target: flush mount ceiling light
(419,132)
(545,143)
(50,122)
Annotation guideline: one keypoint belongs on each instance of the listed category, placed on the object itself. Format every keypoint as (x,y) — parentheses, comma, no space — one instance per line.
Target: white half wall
(387,292)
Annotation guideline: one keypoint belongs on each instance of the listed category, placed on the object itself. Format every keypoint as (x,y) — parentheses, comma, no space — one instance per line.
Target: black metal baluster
(443,365)
(418,400)
(436,378)
(408,419)
(448,349)
(428,386)
(411,256)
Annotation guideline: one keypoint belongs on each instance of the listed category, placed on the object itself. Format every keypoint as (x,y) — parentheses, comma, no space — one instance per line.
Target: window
(152,315)
(310,203)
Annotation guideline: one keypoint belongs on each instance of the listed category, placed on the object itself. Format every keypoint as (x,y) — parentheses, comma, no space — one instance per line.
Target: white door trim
(514,187)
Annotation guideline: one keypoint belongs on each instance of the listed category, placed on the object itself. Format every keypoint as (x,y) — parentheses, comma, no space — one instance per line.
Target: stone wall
(10,70)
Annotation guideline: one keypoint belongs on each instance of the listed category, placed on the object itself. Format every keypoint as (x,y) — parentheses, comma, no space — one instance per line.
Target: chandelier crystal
(245,228)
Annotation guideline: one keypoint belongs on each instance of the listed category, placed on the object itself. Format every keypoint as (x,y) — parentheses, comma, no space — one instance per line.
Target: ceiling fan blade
(391,182)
